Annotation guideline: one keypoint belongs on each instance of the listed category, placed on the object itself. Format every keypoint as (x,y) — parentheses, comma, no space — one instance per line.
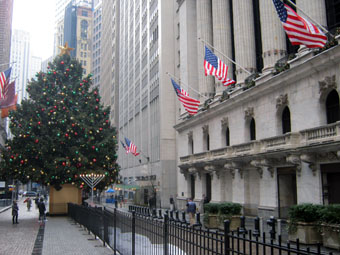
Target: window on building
(332,13)
(252,129)
(332,107)
(191,144)
(227,137)
(83,29)
(84,13)
(286,128)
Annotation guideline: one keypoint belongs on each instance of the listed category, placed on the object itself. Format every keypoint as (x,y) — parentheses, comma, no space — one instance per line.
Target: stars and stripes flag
(190,104)
(126,148)
(298,29)
(132,147)
(214,66)
(9,96)
(4,78)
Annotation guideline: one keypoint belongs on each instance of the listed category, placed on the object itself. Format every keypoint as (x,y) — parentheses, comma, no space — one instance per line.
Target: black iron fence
(145,231)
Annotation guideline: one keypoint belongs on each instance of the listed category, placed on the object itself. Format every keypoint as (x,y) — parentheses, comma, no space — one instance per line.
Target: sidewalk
(59,235)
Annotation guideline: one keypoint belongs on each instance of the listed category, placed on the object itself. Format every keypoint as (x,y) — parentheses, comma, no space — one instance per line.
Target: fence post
(166,233)
(115,230)
(226,237)
(104,227)
(133,232)
(243,225)
(271,222)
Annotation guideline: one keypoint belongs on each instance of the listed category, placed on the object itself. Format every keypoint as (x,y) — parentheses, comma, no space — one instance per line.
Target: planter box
(307,233)
(235,222)
(212,221)
(331,236)
(59,199)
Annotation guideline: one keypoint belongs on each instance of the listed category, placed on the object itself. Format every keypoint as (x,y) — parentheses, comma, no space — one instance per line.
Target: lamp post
(92,180)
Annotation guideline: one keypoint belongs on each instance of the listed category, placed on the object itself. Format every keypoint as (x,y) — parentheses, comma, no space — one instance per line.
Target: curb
(5,209)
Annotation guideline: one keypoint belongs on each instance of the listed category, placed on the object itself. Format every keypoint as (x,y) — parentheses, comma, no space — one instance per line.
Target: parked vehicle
(30,194)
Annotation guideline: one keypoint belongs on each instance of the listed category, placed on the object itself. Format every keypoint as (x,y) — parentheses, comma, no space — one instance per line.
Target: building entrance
(286,182)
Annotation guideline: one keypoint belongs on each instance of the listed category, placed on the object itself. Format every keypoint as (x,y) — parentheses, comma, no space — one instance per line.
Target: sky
(37,18)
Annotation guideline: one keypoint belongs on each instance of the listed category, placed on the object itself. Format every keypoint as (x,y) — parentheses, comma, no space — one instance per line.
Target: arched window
(227,137)
(252,130)
(286,120)
(332,107)
(208,142)
(84,26)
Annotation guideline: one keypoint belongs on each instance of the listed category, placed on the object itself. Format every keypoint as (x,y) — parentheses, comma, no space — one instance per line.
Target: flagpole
(172,76)
(204,42)
(320,26)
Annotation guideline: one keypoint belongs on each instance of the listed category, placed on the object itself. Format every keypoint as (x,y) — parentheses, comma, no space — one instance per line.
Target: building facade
(272,140)
(146,98)
(96,43)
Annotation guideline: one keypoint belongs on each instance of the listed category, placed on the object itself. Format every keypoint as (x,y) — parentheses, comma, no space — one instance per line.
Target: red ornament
(66,134)
(73,125)
(94,160)
(100,129)
(93,147)
(39,122)
(97,100)
(67,70)
(75,133)
(62,62)
(55,107)
(64,164)
(54,72)
(81,84)
(95,92)
(36,140)
(96,107)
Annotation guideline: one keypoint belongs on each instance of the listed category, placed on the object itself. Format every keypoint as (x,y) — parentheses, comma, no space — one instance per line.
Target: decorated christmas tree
(61,130)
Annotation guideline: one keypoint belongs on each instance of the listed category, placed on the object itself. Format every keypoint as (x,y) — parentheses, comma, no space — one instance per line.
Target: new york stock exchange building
(271,140)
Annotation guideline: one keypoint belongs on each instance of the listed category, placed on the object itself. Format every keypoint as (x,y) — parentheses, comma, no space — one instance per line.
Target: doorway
(287,194)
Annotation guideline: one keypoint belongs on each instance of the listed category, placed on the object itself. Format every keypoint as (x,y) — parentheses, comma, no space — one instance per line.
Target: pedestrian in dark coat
(191,210)
(42,209)
(15,212)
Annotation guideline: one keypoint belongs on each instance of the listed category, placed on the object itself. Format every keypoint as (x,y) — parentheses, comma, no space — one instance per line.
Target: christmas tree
(61,131)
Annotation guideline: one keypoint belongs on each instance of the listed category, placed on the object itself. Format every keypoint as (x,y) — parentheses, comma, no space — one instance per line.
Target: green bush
(230,208)
(330,214)
(305,213)
(211,208)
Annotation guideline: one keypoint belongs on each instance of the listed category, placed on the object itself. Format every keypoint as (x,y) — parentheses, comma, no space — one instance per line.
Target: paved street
(59,235)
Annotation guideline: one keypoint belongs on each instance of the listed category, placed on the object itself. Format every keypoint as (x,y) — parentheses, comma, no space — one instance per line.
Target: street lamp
(92,180)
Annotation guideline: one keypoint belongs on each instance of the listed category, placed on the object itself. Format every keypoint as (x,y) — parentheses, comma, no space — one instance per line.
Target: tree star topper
(65,49)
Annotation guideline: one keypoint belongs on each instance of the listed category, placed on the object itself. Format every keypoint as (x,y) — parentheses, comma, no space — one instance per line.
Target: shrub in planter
(210,217)
(330,226)
(230,211)
(303,223)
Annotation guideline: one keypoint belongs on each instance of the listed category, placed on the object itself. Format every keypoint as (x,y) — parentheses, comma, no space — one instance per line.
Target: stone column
(222,36)
(218,186)
(273,36)
(204,31)
(316,11)
(244,35)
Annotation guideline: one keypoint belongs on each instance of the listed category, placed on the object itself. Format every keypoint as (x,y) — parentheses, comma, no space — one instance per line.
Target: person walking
(15,212)
(29,203)
(191,210)
(42,209)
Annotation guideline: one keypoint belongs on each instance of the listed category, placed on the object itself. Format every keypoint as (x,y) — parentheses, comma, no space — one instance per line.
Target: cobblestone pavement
(61,235)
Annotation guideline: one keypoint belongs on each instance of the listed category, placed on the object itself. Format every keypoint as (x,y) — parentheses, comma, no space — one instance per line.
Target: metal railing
(145,231)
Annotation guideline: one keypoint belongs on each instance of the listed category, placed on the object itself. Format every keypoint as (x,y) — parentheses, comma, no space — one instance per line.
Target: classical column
(204,31)
(316,10)
(273,36)
(244,35)
(222,36)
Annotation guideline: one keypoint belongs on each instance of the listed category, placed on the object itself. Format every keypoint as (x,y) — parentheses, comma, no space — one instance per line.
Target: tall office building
(20,56)
(6,13)
(78,32)
(146,97)
(96,42)
(34,67)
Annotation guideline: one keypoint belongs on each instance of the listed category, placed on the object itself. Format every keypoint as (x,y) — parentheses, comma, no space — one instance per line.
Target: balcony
(322,135)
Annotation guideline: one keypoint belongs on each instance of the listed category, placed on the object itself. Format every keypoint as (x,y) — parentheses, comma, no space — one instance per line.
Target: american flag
(299,30)
(126,148)
(9,96)
(131,147)
(214,66)
(190,104)
(4,77)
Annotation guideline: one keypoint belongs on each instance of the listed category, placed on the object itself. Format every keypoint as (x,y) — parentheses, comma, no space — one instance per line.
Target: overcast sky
(37,18)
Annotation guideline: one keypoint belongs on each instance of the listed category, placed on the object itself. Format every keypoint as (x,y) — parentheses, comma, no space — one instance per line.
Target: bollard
(198,220)
(271,222)
(242,229)
(171,217)
(154,213)
(177,216)
(256,231)
(160,214)
(184,221)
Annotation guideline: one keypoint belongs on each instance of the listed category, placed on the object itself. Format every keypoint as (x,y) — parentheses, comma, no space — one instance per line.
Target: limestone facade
(270,146)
